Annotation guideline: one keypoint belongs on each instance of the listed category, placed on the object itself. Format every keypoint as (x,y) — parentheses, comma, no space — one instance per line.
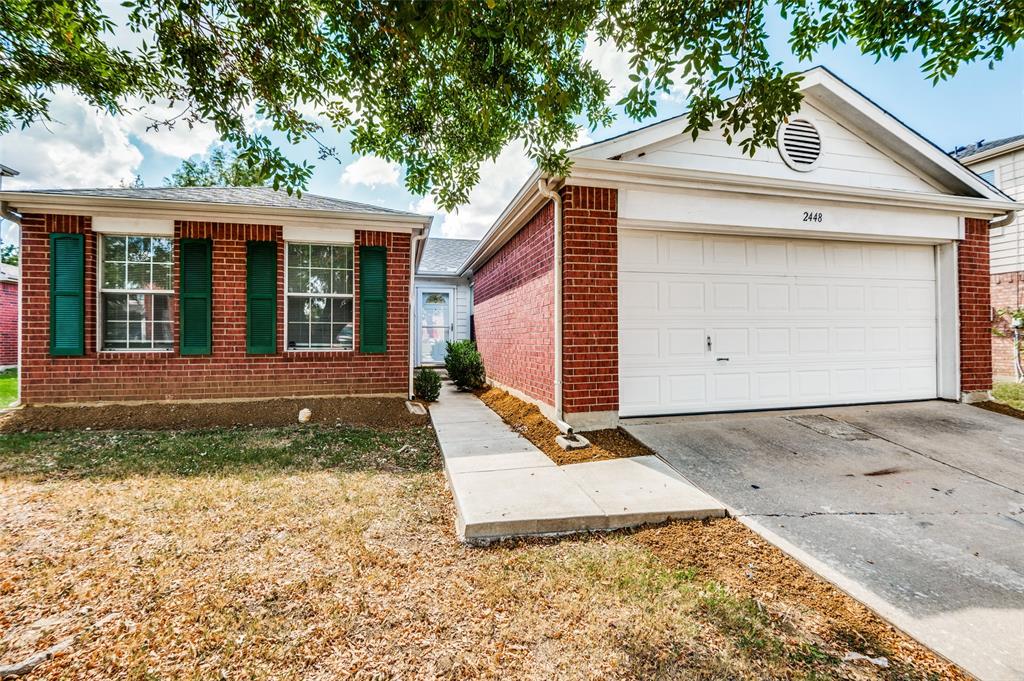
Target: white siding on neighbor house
(462,300)
(1006,243)
(847,159)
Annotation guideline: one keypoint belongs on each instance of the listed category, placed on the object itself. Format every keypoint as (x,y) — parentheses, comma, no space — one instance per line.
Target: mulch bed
(525,418)
(369,412)
(1001,408)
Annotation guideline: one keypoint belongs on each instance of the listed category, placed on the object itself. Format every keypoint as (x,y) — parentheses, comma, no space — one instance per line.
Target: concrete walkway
(505,487)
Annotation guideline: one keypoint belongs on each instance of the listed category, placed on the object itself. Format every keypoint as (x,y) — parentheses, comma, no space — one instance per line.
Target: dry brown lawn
(324,553)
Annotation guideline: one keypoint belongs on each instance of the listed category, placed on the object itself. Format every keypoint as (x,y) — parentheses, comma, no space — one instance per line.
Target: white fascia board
(521,208)
(624,175)
(66,204)
(875,123)
(631,141)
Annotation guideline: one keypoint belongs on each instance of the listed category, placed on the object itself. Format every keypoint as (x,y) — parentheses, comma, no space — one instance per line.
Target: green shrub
(465,365)
(427,384)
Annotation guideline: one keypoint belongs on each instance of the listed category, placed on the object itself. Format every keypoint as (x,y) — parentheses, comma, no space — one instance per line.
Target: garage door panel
(792,323)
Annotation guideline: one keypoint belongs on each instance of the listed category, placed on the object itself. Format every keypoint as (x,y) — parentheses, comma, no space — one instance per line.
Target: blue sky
(84,148)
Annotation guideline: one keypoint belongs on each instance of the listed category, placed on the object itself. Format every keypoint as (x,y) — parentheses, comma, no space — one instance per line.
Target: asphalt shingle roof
(445,256)
(961,153)
(246,196)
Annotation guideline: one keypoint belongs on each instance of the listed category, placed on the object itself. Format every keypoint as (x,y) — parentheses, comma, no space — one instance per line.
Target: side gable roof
(445,256)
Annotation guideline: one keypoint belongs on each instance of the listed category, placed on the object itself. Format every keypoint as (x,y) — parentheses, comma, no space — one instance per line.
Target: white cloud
(79,147)
(611,63)
(371,171)
(500,179)
(180,141)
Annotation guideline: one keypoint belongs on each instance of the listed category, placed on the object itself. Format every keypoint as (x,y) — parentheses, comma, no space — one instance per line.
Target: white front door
(720,323)
(435,324)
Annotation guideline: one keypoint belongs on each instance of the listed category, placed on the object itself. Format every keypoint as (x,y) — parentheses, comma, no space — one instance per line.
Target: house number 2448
(810,216)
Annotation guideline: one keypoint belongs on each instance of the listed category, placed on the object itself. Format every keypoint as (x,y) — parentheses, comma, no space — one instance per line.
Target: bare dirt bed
(1001,408)
(789,595)
(525,418)
(371,412)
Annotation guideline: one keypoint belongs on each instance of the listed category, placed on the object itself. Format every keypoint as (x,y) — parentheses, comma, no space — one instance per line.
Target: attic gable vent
(799,144)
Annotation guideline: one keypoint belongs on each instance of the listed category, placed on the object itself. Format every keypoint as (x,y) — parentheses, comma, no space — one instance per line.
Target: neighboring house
(1001,164)
(850,265)
(211,293)
(8,315)
(443,299)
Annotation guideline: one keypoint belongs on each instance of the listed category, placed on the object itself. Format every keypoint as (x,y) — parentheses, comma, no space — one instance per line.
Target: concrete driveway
(916,509)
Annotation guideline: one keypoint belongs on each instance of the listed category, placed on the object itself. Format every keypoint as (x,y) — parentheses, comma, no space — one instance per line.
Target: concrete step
(504,486)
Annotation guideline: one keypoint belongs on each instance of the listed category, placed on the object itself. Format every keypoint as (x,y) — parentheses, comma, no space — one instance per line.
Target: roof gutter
(26,202)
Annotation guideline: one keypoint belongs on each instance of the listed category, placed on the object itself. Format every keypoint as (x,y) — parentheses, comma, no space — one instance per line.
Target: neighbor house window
(135,293)
(319,296)
(989,176)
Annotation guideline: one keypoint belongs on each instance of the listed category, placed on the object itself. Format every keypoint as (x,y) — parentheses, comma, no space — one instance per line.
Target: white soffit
(106,224)
(323,235)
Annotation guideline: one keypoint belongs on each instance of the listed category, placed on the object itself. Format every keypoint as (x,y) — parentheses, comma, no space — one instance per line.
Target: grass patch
(8,387)
(1010,393)
(118,454)
(329,552)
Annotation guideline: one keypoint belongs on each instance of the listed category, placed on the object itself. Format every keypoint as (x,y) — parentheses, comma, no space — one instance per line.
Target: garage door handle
(709,342)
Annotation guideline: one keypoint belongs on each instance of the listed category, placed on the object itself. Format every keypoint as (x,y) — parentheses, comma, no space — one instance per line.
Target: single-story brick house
(1001,163)
(211,293)
(443,299)
(672,275)
(8,315)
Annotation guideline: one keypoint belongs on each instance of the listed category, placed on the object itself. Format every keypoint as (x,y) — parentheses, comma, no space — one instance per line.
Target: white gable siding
(1007,243)
(846,160)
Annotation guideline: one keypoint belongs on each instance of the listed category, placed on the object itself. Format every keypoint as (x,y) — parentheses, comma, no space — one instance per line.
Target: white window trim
(100,291)
(351,296)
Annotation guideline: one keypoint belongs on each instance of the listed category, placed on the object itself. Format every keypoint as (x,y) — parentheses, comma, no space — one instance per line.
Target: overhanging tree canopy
(441,85)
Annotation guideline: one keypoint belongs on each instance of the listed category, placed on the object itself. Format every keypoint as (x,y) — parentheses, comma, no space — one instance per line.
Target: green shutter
(261,297)
(196,296)
(373,299)
(67,294)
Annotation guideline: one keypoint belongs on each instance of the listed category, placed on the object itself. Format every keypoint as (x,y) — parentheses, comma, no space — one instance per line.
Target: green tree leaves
(442,85)
(221,168)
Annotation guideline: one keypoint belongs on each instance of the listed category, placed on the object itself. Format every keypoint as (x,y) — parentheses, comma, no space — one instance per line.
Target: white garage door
(718,323)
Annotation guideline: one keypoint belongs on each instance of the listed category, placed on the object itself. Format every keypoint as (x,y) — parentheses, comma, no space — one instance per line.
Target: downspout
(1002,220)
(412,302)
(544,188)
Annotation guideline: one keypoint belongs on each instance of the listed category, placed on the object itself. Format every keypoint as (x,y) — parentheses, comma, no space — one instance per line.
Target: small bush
(465,365)
(426,384)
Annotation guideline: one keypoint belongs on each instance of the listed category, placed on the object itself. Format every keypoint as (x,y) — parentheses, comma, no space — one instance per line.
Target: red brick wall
(590,309)
(227,373)
(8,323)
(1007,294)
(975,308)
(513,310)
